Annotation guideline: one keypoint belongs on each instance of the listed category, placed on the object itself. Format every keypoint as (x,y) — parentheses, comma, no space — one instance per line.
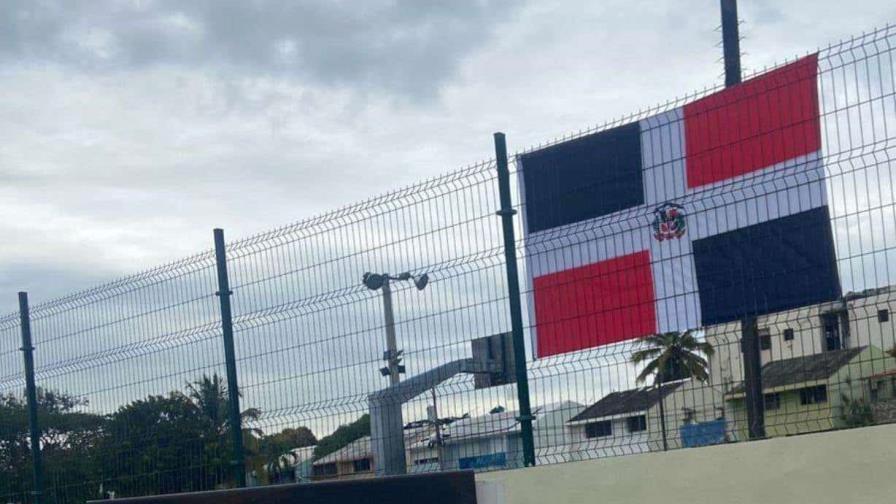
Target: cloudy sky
(130,128)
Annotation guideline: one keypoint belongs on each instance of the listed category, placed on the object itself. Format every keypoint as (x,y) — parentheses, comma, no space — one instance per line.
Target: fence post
(754,397)
(514,299)
(31,393)
(233,390)
(752,356)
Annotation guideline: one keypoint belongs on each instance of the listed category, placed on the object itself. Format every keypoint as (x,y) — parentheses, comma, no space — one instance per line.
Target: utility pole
(752,356)
(382,281)
(731,42)
(392,355)
(438,429)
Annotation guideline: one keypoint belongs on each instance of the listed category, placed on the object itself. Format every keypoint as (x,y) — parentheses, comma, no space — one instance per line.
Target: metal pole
(752,357)
(754,397)
(391,342)
(731,42)
(438,427)
(514,300)
(31,392)
(224,293)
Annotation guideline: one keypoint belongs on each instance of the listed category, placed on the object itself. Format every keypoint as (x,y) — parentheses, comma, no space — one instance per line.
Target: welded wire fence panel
(311,337)
(131,395)
(646,248)
(15,449)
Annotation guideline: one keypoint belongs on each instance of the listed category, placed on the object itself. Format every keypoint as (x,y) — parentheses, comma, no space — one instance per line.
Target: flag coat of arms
(700,215)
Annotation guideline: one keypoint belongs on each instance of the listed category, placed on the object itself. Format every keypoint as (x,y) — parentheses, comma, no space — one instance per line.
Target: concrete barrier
(854,466)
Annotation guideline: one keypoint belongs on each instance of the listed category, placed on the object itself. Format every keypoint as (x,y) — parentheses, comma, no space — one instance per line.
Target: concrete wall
(851,466)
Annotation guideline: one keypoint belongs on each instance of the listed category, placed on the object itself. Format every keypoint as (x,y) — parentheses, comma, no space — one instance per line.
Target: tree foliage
(673,356)
(176,442)
(342,436)
(68,439)
(856,412)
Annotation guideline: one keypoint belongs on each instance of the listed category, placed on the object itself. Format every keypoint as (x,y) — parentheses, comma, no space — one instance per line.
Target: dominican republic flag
(696,216)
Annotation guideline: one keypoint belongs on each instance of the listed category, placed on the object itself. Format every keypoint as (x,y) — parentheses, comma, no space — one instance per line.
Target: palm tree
(672,356)
(209,395)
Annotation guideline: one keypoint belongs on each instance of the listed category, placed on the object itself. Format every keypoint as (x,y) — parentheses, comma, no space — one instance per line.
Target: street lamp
(392,355)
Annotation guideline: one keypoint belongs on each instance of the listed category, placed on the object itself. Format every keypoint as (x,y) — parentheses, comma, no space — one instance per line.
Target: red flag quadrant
(598,304)
(750,127)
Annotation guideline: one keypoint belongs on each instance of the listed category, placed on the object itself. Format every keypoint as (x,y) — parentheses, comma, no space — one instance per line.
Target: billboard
(695,216)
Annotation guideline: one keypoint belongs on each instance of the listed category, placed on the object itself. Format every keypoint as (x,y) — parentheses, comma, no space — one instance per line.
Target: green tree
(209,395)
(274,461)
(342,436)
(672,356)
(68,441)
(14,447)
(161,444)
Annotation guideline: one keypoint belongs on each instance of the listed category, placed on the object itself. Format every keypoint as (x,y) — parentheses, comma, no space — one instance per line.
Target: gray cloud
(132,128)
(403,46)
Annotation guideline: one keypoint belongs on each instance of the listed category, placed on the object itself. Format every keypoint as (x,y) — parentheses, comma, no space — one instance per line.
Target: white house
(617,424)
(355,460)
(493,441)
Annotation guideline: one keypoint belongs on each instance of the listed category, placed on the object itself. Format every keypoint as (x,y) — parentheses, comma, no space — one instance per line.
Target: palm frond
(646,354)
(673,355)
(648,371)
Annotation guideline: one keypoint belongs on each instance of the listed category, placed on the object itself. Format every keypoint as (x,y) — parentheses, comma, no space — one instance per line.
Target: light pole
(392,355)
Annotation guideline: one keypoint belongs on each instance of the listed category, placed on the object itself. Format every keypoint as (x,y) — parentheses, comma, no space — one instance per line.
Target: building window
(788,334)
(814,395)
(598,429)
(772,402)
(324,469)
(765,340)
(875,389)
(835,327)
(362,465)
(637,423)
(883,316)
(426,461)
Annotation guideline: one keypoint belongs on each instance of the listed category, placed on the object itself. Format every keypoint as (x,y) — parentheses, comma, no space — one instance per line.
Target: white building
(628,422)
(355,460)
(858,320)
(804,336)
(494,441)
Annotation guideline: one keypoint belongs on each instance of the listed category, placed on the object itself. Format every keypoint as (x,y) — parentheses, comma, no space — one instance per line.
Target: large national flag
(696,216)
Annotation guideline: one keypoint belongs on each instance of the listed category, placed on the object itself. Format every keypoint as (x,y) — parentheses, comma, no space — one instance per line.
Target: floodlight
(421,281)
(374,281)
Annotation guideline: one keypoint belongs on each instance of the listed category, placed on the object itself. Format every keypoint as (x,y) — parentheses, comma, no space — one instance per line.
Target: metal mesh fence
(15,459)
(131,375)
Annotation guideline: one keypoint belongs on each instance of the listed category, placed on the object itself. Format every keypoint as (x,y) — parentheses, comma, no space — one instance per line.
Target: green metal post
(233,390)
(31,392)
(514,299)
